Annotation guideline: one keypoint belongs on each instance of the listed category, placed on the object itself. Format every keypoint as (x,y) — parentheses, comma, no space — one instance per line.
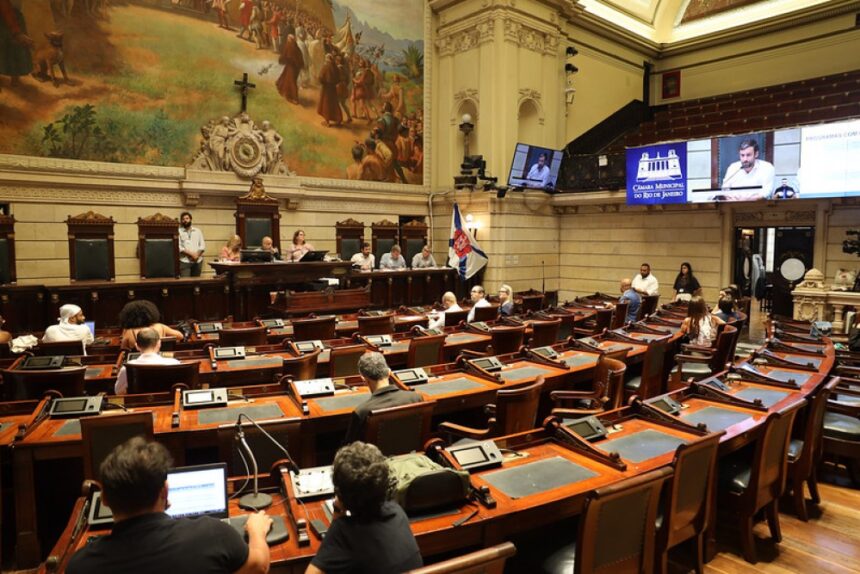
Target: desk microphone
(257,500)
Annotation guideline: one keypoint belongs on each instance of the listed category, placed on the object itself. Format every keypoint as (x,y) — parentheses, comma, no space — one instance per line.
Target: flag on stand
(464,253)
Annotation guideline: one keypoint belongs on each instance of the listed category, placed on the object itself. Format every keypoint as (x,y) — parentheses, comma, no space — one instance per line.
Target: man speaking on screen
(538,175)
(750,172)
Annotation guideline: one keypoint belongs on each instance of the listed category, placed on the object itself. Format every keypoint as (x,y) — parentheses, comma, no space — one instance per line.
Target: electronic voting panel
(545,352)
(312,482)
(379,340)
(311,388)
(411,377)
(203,398)
(272,323)
(228,353)
(476,455)
(208,328)
(489,364)
(665,404)
(74,407)
(589,428)
(309,346)
(42,363)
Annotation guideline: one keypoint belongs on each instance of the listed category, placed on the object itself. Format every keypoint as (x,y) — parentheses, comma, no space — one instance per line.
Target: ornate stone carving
(800,216)
(237,144)
(813,280)
(530,38)
(158,219)
(385,223)
(350,222)
(90,218)
(257,192)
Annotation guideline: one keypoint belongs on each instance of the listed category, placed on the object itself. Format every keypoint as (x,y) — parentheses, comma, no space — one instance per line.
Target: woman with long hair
(299,246)
(686,284)
(700,326)
(232,249)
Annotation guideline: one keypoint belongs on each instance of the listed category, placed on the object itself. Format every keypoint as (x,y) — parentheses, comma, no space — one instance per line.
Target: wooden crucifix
(244,85)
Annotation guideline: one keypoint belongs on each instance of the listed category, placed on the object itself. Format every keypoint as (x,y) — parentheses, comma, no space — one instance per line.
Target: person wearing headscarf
(70,327)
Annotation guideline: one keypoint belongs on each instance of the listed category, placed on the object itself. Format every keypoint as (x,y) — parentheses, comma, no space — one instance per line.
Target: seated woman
(700,326)
(375,536)
(686,284)
(299,246)
(138,315)
(506,300)
(231,250)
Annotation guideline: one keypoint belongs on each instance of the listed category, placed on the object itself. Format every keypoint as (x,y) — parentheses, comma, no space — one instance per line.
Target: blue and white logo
(656,174)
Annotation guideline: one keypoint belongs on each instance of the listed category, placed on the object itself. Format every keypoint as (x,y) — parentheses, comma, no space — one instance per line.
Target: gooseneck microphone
(257,500)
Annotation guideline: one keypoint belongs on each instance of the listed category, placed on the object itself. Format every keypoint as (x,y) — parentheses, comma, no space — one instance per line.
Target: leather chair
(72,348)
(426,351)
(616,531)
(21,385)
(841,430)
(707,360)
(302,367)
(607,392)
(507,339)
(619,316)
(343,361)
(648,306)
(596,325)
(454,318)
(314,328)
(382,325)
(805,453)
(747,485)
(161,378)
(244,337)
(487,313)
(515,410)
(285,431)
(401,429)
(100,435)
(485,561)
(545,332)
(687,503)
(651,381)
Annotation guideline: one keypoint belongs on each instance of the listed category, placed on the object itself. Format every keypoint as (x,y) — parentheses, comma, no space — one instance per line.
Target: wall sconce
(466,126)
(472,226)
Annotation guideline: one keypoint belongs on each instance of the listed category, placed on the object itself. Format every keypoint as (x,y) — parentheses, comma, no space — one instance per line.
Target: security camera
(570,68)
(571,52)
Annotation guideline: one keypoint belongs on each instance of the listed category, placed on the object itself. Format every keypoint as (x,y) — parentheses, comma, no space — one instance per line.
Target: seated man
(478,300)
(375,536)
(365,260)
(632,297)
(449,302)
(424,259)
(727,309)
(145,539)
(70,327)
(374,371)
(393,260)
(149,344)
(266,244)
(645,283)
(506,300)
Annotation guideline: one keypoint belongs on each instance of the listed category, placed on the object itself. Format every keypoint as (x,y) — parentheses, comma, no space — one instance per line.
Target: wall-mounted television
(534,167)
(810,162)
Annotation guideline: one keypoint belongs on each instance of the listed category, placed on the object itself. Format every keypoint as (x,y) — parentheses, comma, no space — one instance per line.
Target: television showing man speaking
(534,167)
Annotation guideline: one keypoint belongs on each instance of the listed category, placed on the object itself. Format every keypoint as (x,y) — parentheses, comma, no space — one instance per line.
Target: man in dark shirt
(146,540)
(375,371)
(369,533)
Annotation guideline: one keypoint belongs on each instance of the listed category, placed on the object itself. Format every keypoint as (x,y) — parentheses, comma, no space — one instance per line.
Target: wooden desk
(405,287)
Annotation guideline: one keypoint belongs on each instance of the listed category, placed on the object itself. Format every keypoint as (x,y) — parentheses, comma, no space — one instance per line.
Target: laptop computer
(91,325)
(313,256)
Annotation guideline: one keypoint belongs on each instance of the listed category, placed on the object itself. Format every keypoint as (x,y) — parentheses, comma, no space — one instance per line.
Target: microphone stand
(543,277)
(255,500)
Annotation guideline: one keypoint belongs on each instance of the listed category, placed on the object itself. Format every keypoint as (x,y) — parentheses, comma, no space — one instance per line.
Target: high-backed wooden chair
(161,378)
(21,385)
(687,503)
(314,328)
(425,351)
(59,348)
(530,300)
(805,452)
(257,216)
(619,316)
(303,367)
(514,411)
(413,238)
(454,318)
(91,250)
(596,325)
(343,361)
(485,561)
(707,360)
(384,234)
(245,336)
(507,339)
(747,485)
(398,430)
(616,531)
(101,434)
(651,381)
(349,235)
(648,306)
(285,431)
(842,430)
(544,332)
(8,273)
(607,392)
(382,325)
(488,313)
(158,246)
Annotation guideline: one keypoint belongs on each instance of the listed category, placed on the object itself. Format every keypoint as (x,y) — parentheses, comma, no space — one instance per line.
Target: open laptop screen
(198,491)
(91,325)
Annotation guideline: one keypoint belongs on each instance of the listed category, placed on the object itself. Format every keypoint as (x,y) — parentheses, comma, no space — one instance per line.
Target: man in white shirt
(70,327)
(191,247)
(750,171)
(449,301)
(424,259)
(149,344)
(365,260)
(478,300)
(393,260)
(645,283)
(539,174)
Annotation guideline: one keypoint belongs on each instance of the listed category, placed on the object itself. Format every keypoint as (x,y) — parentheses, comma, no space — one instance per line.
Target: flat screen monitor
(534,167)
(255,256)
(313,256)
(198,491)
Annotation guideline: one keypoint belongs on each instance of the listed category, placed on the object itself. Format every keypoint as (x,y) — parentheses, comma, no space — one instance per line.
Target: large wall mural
(340,81)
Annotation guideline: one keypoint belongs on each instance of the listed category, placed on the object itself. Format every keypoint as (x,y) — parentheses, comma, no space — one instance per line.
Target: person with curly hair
(369,532)
(138,315)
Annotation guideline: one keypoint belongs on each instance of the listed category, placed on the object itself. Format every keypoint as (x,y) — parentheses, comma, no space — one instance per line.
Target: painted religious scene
(335,86)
